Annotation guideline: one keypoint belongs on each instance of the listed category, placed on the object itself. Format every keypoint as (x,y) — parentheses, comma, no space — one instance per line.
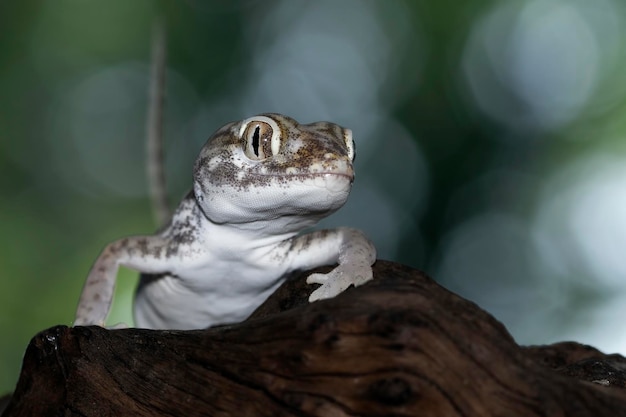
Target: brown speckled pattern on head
(306,151)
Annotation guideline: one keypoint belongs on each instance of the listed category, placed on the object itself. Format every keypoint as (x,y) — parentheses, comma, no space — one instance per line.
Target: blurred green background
(490,138)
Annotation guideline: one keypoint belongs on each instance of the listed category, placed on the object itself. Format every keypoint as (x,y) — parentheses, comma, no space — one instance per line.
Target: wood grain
(399,346)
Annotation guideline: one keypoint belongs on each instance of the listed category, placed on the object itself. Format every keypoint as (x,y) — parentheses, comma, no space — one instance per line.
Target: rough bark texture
(398,346)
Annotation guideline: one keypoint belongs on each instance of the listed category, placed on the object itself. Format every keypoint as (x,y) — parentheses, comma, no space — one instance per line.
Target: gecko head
(270,166)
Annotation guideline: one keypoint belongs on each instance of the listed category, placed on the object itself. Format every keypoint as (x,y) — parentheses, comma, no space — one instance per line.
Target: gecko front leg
(350,248)
(144,253)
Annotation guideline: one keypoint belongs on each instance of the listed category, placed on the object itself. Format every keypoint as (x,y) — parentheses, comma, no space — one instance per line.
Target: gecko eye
(261,138)
(258,140)
(347,137)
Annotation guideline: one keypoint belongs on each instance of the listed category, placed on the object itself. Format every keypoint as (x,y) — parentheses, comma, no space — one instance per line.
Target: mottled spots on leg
(142,244)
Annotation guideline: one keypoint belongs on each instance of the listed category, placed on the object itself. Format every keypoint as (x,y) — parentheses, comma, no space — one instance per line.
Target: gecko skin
(257,184)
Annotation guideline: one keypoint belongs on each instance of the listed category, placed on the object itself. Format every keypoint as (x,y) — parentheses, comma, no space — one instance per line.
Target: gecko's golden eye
(257,140)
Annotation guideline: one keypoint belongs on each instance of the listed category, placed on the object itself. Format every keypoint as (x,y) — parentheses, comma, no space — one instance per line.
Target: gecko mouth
(332,180)
(349,174)
(315,176)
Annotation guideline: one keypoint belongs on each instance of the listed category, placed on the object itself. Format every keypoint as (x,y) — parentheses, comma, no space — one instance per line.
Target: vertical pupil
(255,140)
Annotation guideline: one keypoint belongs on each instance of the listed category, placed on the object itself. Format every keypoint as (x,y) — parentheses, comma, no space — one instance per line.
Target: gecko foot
(338,280)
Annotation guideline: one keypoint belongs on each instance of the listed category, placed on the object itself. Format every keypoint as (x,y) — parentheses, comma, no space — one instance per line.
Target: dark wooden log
(398,346)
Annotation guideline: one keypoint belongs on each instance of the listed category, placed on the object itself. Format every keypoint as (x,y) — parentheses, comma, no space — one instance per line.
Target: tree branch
(400,345)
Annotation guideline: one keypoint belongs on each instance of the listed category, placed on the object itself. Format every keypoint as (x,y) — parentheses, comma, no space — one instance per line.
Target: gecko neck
(281,227)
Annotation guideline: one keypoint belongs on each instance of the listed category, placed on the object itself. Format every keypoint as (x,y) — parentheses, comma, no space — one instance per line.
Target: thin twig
(154,125)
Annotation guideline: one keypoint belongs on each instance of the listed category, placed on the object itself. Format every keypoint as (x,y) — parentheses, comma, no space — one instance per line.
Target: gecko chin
(333,182)
(314,193)
(283,196)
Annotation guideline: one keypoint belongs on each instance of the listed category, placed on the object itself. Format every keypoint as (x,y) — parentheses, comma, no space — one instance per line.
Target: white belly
(163,302)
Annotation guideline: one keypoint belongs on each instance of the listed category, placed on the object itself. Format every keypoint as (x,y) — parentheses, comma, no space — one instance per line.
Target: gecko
(257,184)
